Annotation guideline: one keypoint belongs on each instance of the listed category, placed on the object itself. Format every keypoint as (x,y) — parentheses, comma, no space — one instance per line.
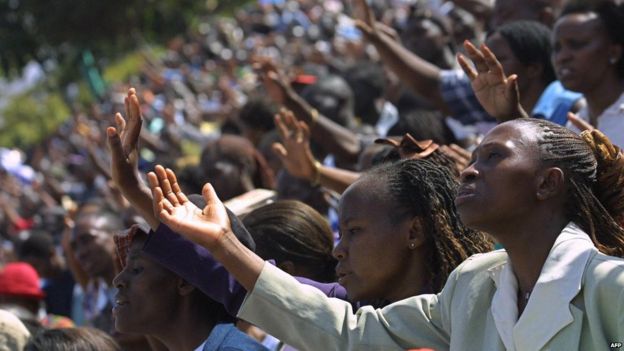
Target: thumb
(513,89)
(280,151)
(114,144)
(363,27)
(579,122)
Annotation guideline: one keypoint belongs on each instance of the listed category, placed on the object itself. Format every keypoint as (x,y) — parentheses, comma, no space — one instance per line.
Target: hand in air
(203,226)
(294,150)
(498,94)
(123,141)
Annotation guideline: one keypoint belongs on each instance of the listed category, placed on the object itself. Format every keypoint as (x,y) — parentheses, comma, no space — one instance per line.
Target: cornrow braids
(589,203)
(423,188)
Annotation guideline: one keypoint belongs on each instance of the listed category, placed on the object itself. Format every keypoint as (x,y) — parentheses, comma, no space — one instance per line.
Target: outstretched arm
(498,94)
(296,156)
(122,142)
(209,227)
(419,75)
(333,137)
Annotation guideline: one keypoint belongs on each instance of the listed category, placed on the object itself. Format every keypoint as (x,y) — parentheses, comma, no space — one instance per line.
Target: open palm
(498,94)
(202,226)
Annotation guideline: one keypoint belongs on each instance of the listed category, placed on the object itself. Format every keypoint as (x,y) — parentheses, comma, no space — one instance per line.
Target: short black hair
(530,42)
(258,113)
(612,16)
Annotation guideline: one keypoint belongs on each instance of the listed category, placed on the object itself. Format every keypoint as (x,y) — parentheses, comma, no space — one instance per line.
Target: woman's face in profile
(146,293)
(372,252)
(499,185)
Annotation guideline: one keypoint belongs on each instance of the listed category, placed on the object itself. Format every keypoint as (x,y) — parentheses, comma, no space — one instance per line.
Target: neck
(603,96)
(415,281)
(528,245)
(186,332)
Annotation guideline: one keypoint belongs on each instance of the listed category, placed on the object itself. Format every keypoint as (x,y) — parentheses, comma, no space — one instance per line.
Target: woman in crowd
(589,58)
(533,185)
(440,239)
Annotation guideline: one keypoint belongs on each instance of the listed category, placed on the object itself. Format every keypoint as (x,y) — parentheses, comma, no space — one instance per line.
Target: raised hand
(123,141)
(274,81)
(294,150)
(203,226)
(498,94)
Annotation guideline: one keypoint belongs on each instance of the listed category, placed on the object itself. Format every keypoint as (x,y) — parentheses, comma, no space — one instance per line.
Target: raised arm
(497,93)
(296,156)
(333,137)
(123,145)
(419,75)
(320,322)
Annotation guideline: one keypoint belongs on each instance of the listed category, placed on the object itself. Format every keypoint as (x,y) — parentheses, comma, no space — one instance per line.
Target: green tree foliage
(31,116)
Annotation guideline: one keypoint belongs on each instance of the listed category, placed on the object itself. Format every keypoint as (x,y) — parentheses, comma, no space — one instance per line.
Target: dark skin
(584,58)
(507,192)
(153,301)
(94,247)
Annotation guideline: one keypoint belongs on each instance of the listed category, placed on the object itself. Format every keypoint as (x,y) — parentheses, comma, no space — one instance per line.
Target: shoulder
(482,262)
(233,339)
(605,270)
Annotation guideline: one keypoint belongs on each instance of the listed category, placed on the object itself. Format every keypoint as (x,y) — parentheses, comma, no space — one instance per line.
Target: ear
(184,288)
(287,266)
(550,183)
(417,236)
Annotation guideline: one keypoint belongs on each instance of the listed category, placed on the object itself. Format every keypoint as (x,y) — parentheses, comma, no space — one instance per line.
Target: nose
(560,55)
(119,281)
(468,174)
(340,250)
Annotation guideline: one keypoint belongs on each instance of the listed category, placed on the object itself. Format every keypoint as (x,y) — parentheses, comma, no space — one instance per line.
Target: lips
(342,275)
(120,303)
(464,193)
(565,73)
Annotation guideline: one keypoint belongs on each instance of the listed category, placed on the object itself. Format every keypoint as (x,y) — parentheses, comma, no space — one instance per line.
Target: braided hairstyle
(423,188)
(289,230)
(593,169)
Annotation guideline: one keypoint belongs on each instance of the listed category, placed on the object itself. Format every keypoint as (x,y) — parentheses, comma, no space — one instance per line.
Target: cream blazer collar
(548,309)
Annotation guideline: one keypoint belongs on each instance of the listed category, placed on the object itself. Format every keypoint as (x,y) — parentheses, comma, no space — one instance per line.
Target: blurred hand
(123,141)
(273,80)
(498,94)
(202,226)
(294,150)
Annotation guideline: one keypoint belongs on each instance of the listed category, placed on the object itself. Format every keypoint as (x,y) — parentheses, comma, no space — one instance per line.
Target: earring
(412,246)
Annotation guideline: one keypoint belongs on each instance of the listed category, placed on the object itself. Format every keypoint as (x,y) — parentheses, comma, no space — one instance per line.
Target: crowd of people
(334,175)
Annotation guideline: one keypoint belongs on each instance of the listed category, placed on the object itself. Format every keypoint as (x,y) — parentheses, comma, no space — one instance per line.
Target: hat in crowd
(20,279)
(123,240)
(13,333)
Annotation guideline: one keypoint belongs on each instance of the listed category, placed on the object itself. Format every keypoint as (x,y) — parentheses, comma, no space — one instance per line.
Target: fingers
(280,151)
(165,185)
(160,203)
(363,27)
(466,67)
(120,121)
(492,62)
(579,122)
(175,187)
(282,129)
(476,56)
(134,122)
(513,91)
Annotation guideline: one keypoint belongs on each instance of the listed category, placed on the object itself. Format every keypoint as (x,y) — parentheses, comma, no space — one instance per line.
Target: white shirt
(610,121)
(559,282)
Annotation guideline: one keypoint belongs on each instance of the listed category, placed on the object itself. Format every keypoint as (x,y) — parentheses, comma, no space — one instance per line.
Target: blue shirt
(226,337)
(553,105)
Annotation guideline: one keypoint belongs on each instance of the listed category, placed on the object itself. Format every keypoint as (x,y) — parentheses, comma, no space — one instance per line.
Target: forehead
(521,136)
(366,198)
(583,22)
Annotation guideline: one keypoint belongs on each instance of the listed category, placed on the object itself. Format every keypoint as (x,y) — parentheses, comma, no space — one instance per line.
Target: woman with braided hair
(532,186)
